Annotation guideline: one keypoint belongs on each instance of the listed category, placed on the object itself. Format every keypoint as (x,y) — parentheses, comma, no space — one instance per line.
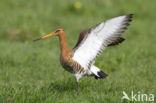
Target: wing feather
(92,42)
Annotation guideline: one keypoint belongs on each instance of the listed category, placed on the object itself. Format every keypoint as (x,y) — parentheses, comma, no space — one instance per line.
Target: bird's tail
(98,74)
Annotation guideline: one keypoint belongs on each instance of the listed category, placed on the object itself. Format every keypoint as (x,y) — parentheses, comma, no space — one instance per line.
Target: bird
(91,43)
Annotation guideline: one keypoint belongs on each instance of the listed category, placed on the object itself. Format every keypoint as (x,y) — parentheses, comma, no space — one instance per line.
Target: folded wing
(92,42)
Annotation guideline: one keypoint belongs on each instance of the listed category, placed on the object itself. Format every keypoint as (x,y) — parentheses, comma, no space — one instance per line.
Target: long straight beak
(46,36)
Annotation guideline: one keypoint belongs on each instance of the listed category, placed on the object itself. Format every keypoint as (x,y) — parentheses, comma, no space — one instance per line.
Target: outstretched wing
(92,42)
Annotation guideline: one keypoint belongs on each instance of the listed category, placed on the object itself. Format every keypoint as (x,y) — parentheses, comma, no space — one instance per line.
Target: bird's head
(57,32)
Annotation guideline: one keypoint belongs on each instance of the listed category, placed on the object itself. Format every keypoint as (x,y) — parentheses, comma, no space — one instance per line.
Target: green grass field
(30,72)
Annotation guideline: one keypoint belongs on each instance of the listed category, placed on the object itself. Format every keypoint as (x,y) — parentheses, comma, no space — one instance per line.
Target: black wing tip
(129,17)
(126,22)
(118,41)
(37,39)
(122,39)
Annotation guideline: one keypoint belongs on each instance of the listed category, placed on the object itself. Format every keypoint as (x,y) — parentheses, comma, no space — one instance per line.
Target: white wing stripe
(99,38)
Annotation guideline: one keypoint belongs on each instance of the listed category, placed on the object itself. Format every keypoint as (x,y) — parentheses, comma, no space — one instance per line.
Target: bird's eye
(57,31)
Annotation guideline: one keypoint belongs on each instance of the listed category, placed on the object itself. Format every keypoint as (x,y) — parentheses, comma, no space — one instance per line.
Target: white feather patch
(97,40)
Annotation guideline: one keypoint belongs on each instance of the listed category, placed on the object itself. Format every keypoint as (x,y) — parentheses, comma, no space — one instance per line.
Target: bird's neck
(63,43)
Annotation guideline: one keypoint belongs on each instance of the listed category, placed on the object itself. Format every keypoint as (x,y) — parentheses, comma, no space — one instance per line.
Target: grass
(31,73)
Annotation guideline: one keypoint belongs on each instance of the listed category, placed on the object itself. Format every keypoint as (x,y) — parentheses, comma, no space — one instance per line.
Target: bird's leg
(77,82)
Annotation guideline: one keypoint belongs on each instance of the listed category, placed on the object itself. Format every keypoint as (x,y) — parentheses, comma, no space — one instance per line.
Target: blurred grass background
(30,72)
